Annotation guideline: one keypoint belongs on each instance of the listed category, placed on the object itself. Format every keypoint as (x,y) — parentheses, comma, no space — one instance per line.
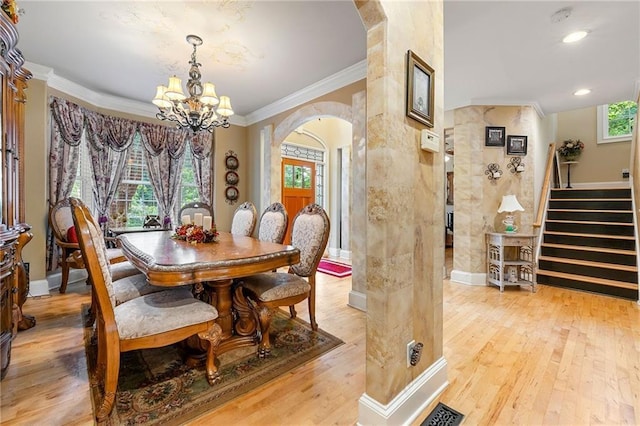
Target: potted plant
(570,150)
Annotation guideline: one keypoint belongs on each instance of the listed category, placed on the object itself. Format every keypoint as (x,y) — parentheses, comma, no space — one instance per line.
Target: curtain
(108,139)
(164,154)
(64,151)
(202,144)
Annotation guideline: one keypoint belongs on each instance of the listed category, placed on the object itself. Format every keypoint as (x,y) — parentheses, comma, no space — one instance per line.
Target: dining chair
(64,232)
(150,321)
(128,281)
(196,207)
(273,223)
(244,219)
(310,233)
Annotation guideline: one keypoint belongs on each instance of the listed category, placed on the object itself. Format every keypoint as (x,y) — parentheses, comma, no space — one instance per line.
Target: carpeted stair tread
(602,281)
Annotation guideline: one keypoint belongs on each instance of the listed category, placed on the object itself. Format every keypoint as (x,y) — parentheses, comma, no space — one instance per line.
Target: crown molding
(336,81)
(101,100)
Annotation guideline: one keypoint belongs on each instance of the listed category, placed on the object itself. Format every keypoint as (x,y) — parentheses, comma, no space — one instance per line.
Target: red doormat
(334,268)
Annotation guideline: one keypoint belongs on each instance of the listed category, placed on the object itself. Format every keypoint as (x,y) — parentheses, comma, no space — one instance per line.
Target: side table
(510,260)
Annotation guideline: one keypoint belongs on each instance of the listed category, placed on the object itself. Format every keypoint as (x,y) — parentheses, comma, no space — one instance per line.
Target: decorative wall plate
(231,178)
(231,162)
(231,193)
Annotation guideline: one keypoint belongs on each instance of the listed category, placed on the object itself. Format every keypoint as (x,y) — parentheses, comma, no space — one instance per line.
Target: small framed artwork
(420,90)
(494,136)
(516,145)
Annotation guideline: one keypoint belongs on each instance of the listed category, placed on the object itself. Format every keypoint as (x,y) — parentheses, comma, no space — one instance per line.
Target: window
(134,198)
(616,121)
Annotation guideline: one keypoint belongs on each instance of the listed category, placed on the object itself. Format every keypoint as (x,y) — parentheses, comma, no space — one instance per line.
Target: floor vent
(443,416)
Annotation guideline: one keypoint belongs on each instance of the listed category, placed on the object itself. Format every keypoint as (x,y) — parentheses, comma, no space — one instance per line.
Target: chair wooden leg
(214,337)
(110,383)
(265,315)
(292,311)
(65,277)
(312,304)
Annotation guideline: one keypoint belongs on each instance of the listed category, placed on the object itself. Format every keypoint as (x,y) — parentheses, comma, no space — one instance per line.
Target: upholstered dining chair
(244,219)
(310,233)
(273,223)
(150,321)
(196,207)
(128,281)
(61,224)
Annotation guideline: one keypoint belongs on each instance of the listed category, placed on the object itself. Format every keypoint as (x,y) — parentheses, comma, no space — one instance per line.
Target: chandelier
(198,111)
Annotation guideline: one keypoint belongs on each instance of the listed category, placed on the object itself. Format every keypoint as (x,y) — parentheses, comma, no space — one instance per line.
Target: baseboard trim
(409,403)
(345,254)
(468,278)
(38,288)
(75,275)
(358,300)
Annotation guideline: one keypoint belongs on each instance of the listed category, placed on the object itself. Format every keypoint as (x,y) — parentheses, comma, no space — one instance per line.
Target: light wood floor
(556,357)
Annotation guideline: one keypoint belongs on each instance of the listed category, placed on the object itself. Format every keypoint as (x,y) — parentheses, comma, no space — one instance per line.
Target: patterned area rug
(156,387)
(334,268)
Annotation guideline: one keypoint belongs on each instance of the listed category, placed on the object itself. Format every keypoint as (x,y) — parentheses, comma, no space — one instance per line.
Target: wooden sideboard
(510,260)
(14,233)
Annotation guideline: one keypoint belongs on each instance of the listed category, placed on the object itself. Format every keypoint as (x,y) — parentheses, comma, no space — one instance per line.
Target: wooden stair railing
(546,186)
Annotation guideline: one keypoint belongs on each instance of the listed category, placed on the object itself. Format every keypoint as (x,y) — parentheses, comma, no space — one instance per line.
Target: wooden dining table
(212,267)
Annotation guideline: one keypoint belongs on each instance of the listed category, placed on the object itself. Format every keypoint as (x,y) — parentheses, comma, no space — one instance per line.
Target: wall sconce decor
(516,165)
(493,171)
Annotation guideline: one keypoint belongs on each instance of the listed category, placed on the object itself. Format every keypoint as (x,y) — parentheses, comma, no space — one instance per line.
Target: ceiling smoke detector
(561,15)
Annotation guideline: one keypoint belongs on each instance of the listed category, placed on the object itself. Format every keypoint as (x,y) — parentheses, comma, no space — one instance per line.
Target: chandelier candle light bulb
(196,112)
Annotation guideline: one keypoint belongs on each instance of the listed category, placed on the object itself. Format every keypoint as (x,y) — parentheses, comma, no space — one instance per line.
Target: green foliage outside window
(622,118)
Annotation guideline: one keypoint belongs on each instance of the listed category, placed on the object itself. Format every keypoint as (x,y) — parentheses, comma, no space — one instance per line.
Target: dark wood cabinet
(14,233)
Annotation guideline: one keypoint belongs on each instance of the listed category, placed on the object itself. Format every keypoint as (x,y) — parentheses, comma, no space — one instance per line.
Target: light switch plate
(429,141)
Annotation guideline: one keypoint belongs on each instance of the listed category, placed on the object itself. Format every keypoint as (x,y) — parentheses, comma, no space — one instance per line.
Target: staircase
(588,242)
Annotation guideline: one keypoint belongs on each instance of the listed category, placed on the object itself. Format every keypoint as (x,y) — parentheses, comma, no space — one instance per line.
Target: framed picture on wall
(420,88)
(516,145)
(494,136)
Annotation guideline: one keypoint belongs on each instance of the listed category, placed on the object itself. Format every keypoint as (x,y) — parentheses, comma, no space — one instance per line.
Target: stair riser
(593,256)
(578,240)
(591,228)
(589,271)
(591,193)
(590,205)
(590,287)
(597,216)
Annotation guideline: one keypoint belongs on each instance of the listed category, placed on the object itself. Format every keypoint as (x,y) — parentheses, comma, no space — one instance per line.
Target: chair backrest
(310,233)
(60,219)
(196,207)
(244,219)
(91,243)
(273,223)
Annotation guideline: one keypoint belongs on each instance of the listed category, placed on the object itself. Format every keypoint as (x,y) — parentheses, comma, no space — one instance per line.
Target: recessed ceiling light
(582,92)
(575,36)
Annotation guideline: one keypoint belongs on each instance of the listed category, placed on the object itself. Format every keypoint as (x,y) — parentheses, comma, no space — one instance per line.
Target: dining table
(211,267)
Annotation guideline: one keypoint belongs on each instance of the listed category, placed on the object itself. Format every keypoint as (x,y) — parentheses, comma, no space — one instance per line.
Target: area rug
(334,268)
(156,387)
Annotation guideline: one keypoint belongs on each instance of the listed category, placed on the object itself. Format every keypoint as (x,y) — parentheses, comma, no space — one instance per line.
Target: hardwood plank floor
(552,357)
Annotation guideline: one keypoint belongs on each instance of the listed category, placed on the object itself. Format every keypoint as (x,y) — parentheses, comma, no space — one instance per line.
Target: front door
(298,188)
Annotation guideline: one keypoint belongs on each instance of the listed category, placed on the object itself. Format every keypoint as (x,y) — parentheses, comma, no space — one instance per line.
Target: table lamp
(510,204)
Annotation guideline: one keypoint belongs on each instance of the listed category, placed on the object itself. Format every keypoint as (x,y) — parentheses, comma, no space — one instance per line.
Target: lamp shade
(510,204)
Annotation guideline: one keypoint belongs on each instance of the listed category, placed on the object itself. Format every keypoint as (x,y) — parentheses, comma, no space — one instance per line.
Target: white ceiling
(496,52)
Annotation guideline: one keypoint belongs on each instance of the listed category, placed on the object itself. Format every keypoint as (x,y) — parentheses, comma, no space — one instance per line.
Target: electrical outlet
(625,173)
(410,346)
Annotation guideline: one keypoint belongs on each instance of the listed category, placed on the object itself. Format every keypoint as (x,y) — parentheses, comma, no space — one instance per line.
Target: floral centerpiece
(195,234)
(570,149)
(11,9)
